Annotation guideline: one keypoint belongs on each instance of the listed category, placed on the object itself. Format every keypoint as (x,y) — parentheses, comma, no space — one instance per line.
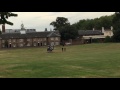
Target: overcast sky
(42,20)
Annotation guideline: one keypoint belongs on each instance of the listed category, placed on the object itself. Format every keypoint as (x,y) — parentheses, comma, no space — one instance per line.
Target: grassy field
(79,61)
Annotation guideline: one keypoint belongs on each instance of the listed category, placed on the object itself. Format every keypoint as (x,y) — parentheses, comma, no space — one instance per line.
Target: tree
(97,23)
(116,21)
(68,32)
(60,22)
(116,25)
(4,16)
(116,35)
(45,29)
(108,39)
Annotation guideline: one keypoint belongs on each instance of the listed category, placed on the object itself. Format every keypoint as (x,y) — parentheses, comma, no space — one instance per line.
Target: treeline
(97,23)
(69,31)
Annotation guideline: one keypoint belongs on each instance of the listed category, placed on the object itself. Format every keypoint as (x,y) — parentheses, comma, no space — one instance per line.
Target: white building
(19,30)
(107,32)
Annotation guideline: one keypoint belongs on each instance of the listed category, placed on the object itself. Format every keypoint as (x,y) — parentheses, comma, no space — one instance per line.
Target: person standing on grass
(62,49)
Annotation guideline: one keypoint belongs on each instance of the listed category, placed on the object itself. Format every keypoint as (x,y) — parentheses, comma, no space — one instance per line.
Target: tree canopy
(4,16)
(60,22)
(68,32)
(116,24)
(116,21)
(97,23)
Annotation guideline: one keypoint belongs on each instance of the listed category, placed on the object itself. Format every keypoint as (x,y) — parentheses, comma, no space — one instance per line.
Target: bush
(95,41)
(108,39)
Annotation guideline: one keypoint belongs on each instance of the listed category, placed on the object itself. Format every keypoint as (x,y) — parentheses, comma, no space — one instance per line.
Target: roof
(18,30)
(53,34)
(89,32)
(29,35)
(107,30)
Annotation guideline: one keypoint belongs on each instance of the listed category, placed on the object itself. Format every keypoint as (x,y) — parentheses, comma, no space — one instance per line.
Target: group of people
(63,48)
(50,48)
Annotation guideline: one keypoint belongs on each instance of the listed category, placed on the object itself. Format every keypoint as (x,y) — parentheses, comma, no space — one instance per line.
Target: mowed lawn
(79,61)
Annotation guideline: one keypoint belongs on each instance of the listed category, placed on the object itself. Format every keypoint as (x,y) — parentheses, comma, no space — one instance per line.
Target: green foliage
(60,22)
(4,16)
(68,32)
(108,39)
(95,41)
(116,36)
(97,23)
(116,23)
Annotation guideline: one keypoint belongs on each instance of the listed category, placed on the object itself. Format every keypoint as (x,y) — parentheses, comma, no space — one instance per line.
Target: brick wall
(0,43)
(35,42)
(55,40)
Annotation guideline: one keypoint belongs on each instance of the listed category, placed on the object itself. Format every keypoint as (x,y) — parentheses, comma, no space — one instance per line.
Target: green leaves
(60,22)
(4,16)
(116,25)
(68,32)
(97,23)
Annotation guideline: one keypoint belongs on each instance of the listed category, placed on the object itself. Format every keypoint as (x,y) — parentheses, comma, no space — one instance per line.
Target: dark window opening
(10,45)
(38,44)
(41,44)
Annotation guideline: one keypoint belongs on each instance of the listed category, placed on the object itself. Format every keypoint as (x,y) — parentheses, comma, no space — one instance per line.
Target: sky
(42,20)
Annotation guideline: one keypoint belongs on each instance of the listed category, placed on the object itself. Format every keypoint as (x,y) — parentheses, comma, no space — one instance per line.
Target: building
(3,28)
(89,36)
(107,32)
(29,39)
(19,30)
(13,38)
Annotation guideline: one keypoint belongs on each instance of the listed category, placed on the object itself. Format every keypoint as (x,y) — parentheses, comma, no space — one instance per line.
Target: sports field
(79,61)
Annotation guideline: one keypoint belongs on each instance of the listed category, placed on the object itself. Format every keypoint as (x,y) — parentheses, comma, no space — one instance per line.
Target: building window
(3,41)
(110,33)
(3,45)
(52,43)
(34,39)
(44,39)
(35,44)
(56,43)
(9,40)
(45,43)
(52,38)
(14,40)
(14,45)
(20,40)
(56,38)
(40,39)
(28,40)
(21,45)
(28,44)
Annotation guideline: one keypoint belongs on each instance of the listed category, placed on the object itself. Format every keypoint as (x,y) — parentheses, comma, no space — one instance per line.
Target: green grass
(79,61)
